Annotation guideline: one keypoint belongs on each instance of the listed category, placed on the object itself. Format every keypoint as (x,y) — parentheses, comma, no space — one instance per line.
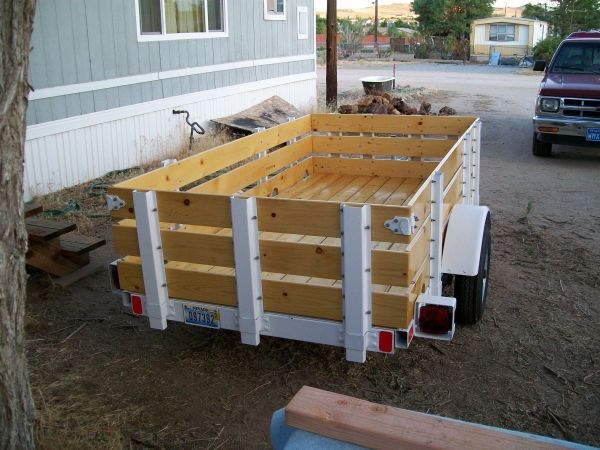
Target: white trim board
(78,88)
(109,115)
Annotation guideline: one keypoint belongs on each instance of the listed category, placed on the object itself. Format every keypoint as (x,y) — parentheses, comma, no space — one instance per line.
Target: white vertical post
(467,166)
(247,268)
(475,161)
(356,279)
(153,266)
(437,223)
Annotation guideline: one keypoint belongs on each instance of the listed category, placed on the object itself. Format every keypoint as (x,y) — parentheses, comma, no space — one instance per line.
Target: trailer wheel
(540,148)
(471,291)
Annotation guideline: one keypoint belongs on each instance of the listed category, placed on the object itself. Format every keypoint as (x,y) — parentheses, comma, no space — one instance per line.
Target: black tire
(540,148)
(471,291)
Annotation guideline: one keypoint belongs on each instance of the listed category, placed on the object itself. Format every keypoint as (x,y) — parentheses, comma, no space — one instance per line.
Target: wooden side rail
(40,230)
(371,425)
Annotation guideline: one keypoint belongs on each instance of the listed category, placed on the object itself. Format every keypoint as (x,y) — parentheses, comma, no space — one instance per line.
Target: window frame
(164,36)
(505,34)
(302,34)
(270,15)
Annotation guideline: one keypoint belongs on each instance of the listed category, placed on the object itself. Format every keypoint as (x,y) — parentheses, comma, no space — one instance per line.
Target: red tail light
(136,305)
(386,341)
(435,319)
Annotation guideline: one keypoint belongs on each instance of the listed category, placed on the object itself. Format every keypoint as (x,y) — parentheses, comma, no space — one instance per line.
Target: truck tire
(471,291)
(540,148)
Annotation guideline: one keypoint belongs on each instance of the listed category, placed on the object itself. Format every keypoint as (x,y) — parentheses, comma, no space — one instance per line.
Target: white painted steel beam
(356,279)
(247,268)
(153,267)
(437,228)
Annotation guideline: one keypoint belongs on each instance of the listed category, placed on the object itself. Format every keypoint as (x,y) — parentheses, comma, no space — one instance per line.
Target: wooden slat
(451,163)
(305,188)
(283,180)
(77,244)
(403,192)
(181,207)
(40,230)
(179,245)
(198,166)
(384,427)
(382,146)
(33,208)
(372,186)
(373,167)
(413,125)
(355,185)
(241,177)
(298,217)
(384,192)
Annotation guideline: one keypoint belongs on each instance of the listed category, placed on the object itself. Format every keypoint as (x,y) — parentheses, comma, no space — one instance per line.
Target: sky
(321,5)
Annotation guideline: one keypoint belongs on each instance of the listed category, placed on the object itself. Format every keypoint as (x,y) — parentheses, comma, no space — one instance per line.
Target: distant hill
(403,11)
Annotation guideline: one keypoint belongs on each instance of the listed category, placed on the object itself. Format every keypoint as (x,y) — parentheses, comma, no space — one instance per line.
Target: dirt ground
(102,379)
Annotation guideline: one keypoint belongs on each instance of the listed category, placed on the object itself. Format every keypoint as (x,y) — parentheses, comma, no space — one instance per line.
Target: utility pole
(376,45)
(331,70)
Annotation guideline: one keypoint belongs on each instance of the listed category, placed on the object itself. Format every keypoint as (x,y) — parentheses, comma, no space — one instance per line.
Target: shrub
(546,48)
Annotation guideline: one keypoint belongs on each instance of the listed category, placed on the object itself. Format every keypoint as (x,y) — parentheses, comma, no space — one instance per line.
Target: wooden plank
(180,245)
(356,184)
(33,208)
(82,272)
(181,207)
(337,183)
(413,125)
(384,427)
(391,310)
(298,217)
(241,177)
(383,193)
(78,244)
(403,192)
(382,146)
(372,186)
(303,299)
(283,180)
(451,163)
(40,230)
(373,167)
(305,188)
(198,166)
(47,257)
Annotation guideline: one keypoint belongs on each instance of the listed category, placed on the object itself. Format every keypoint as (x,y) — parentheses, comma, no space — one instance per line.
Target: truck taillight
(386,341)
(136,305)
(435,319)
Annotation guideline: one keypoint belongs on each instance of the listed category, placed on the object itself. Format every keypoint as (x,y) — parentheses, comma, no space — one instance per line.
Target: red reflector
(136,305)
(435,319)
(386,341)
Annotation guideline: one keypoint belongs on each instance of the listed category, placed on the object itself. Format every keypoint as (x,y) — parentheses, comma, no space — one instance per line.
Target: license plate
(201,317)
(592,134)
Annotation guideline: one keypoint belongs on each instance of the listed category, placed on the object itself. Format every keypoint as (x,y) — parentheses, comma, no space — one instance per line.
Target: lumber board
(453,194)
(32,208)
(40,230)
(451,163)
(283,180)
(410,125)
(403,192)
(382,146)
(373,167)
(356,183)
(306,188)
(179,245)
(385,427)
(181,207)
(197,166)
(298,217)
(243,176)
(48,257)
(72,244)
(383,193)
(79,274)
(373,185)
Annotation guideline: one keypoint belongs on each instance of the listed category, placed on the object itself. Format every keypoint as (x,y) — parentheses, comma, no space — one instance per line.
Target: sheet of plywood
(384,427)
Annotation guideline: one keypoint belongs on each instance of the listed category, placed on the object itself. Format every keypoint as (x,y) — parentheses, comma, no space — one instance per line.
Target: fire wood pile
(386,104)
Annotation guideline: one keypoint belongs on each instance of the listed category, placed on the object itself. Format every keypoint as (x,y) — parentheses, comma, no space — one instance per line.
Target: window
(275,9)
(577,57)
(302,22)
(176,19)
(502,32)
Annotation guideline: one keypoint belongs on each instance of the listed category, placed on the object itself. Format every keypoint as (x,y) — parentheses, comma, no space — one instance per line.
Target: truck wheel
(540,148)
(471,291)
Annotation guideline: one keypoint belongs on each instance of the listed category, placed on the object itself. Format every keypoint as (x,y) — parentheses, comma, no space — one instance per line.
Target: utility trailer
(332,229)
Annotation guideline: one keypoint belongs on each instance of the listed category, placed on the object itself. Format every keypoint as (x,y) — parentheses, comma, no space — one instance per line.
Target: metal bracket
(113,202)
(167,162)
(401,225)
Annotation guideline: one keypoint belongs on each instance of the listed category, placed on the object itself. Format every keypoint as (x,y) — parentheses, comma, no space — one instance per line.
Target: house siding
(85,41)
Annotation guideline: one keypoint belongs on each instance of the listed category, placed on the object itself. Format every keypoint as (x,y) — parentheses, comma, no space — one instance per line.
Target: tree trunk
(16,404)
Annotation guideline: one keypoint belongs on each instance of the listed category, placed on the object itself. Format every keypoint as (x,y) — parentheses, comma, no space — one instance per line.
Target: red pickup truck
(567,110)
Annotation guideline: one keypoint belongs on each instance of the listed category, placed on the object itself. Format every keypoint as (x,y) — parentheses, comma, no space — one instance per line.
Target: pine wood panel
(241,177)
(403,192)
(197,166)
(306,187)
(412,125)
(373,167)
(283,180)
(382,146)
(384,427)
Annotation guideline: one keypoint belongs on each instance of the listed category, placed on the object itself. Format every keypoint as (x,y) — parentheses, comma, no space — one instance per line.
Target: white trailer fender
(462,245)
